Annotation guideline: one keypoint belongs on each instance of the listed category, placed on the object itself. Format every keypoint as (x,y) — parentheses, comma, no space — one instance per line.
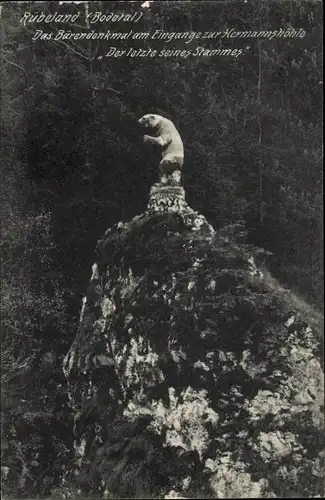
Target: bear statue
(171,143)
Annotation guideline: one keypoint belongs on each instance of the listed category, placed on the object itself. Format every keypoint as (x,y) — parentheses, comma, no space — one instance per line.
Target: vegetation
(73,164)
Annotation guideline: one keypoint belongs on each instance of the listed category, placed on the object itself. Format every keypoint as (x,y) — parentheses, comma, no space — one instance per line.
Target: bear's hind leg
(175,178)
(170,172)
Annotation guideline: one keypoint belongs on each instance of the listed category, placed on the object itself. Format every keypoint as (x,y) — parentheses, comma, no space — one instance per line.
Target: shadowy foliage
(73,164)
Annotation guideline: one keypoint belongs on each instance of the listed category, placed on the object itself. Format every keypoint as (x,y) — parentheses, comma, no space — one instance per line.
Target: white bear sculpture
(171,143)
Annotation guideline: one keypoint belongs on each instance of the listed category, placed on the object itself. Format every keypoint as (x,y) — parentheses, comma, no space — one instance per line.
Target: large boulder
(191,374)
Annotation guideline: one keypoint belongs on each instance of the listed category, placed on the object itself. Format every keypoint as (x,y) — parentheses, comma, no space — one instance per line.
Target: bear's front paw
(146,138)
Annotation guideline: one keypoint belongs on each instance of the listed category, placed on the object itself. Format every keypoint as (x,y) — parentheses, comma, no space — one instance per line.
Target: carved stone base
(172,199)
(167,198)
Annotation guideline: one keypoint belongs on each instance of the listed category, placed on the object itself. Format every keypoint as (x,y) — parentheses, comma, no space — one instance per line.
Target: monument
(190,376)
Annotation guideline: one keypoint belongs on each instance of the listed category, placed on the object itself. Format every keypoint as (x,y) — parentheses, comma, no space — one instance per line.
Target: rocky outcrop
(191,375)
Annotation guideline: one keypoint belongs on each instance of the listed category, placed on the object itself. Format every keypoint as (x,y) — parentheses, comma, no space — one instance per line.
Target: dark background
(73,162)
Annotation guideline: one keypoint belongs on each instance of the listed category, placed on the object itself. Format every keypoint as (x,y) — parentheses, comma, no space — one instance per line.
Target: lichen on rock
(190,375)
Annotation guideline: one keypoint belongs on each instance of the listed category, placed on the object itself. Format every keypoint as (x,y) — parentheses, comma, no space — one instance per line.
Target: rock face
(190,375)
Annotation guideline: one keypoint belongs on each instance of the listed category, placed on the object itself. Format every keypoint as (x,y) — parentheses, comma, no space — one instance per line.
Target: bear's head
(149,120)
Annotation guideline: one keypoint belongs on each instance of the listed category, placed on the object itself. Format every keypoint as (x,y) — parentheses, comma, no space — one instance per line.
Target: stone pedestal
(170,322)
(167,198)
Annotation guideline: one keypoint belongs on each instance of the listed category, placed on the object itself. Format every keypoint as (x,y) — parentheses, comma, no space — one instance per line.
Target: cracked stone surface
(190,375)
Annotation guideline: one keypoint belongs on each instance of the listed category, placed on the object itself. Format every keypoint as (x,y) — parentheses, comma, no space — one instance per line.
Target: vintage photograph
(162,249)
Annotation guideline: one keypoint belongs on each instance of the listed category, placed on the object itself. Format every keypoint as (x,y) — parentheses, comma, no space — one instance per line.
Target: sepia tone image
(161,249)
